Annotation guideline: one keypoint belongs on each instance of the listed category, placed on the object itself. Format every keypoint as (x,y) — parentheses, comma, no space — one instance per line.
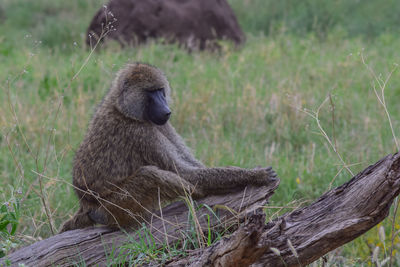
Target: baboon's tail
(80,220)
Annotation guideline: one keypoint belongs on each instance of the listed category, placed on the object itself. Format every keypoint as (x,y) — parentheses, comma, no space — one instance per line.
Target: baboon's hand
(264,176)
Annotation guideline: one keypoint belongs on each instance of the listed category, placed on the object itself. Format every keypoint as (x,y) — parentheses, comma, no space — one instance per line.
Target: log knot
(393,174)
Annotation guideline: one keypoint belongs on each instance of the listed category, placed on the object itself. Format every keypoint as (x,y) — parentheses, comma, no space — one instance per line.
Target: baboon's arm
(176,140)
(223,179)
(167,156)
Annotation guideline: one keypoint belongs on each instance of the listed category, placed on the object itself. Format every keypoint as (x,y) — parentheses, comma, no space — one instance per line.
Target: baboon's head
(141,92)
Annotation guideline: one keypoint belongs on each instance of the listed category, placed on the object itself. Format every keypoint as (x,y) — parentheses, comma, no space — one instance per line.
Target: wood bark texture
(97,245)
(337,217)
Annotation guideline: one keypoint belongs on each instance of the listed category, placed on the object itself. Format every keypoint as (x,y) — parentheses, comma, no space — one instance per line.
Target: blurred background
(58,24)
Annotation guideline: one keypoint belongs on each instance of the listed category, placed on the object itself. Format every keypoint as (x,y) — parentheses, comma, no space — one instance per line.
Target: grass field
(243,107)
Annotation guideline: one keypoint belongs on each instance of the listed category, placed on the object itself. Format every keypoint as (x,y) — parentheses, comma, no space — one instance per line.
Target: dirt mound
(192,23)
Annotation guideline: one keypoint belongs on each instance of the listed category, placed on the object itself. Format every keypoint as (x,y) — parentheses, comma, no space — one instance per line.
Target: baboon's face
(142,92)
(156,108)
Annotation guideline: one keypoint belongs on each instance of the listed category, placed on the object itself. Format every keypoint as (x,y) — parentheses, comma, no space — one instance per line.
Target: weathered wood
(92,245)
(336,218)
(240,249)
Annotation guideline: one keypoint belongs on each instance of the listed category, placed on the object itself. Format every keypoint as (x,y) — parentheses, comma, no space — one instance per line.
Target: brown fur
(126,162)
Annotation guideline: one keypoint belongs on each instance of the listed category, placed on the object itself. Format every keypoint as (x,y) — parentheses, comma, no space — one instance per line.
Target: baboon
(131,156)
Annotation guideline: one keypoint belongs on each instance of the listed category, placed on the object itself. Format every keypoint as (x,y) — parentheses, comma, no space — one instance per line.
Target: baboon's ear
(131,104)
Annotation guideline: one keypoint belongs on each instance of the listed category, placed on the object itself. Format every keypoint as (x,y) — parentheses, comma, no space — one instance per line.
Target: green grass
(367,18)
(240,107)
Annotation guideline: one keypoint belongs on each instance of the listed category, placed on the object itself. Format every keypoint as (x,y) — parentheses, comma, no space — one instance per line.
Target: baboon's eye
(163,91)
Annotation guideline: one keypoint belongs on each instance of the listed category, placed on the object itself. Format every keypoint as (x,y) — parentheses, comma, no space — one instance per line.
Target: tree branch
(337,217)
(93,245)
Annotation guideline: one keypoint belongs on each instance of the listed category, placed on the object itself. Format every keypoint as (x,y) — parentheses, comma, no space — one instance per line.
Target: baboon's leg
(80,220)
(170,184)
(131,202)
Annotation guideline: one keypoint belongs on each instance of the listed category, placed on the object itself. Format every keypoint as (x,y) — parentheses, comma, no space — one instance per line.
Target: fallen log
(336,218)
(94,245)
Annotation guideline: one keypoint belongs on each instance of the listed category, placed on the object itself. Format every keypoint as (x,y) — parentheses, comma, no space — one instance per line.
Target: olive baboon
(131,156)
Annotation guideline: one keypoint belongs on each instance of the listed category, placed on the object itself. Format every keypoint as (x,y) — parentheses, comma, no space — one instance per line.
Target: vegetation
(367,18)
(9,216)
(250,106)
